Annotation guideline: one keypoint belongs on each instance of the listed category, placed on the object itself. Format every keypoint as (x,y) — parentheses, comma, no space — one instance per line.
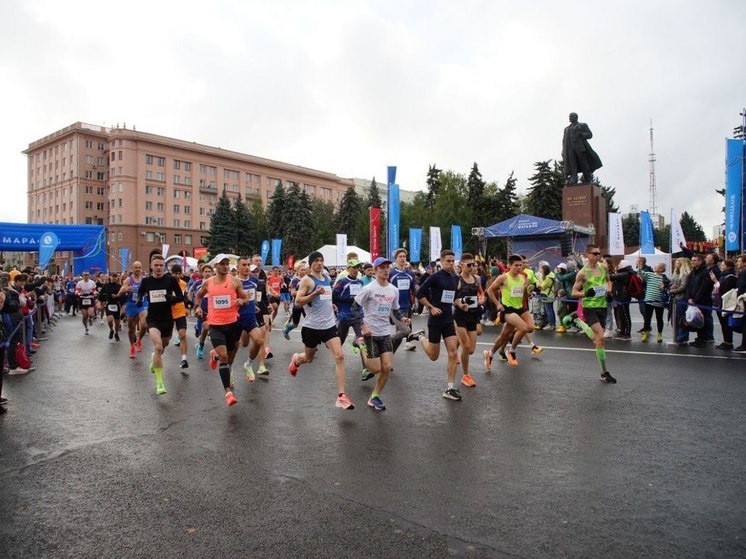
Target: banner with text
(457,245)
(677,233)
(616,236)
(415,244)
(47,245)
(276,252)
(733,192)
(393,219)
(375,233)
(436,245)
(265,251)
(647,245)
(165,249)
(341,249)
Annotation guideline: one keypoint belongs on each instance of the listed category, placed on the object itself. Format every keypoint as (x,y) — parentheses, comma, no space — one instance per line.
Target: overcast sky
(350,87)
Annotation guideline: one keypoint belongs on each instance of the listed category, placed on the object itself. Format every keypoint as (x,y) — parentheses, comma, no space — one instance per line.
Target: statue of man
(577,154)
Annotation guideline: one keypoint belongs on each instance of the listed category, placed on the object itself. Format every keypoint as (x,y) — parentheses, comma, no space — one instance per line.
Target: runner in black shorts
(467,302)
(112,303)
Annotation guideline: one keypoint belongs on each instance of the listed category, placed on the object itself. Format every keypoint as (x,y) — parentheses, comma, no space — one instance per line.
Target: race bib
(251,293)
(403,285)
(221,301)
(326,295)
(113,308)
(383,308)
(600,290)
(516,291)
(474,302)
(87,301)
(355,288)
(447,296)
(157,296)
(258,296)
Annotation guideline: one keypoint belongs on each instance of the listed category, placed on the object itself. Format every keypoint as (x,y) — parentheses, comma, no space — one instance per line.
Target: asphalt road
(540,460)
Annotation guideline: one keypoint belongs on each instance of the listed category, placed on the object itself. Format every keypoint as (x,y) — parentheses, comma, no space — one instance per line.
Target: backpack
(635,286)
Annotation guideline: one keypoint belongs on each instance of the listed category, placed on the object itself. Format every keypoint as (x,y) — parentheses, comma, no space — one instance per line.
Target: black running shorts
(225,334)
(595,316)
(166,327)
(312,338)
(437,331)
(467,320)
(375,346)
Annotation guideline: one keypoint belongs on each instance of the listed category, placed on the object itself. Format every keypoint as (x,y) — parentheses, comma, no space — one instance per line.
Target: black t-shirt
(440,290)
(108,293)
(162,292)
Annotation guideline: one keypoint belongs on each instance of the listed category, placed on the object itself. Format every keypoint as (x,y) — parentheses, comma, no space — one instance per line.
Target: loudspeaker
(566,245)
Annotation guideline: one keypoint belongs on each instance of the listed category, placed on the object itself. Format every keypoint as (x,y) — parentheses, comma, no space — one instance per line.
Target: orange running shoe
(293,367)
(230,399)
(466,380)
(213,359)
(345,403)
(132,351)
(512,359)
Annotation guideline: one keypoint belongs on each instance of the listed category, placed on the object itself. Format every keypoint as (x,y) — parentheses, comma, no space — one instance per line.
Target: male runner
(263,308)
(250,330)
(319,326)
(592,284)
(201,328)
(343,296)
(224,296)
(162,291)
(405,282)
(179,314)
(136,311)
(467,301)
(85,290)
(274,285)
(437,293)
(296,310)
(112,303)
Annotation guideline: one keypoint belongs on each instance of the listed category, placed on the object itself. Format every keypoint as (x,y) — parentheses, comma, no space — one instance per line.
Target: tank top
(249,286)
(319,310)
(135,285)
(471,290)
(178,310)
(598,284)
(512,292)
(221,302)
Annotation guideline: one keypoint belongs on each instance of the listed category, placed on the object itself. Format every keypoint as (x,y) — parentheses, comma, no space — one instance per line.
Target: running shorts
(225,334)
(166,327)
(437,331)
(180,323)
(467,320)
(375,346)
(594,316)
(312,337)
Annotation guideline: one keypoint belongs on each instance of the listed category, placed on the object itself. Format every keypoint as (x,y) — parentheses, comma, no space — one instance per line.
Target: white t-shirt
(86,287)
(377,302)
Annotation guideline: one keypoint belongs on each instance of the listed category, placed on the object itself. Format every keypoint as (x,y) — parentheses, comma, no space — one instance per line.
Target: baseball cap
(224,259)
(253,268)
(353,263)
(381,261)
(562,265)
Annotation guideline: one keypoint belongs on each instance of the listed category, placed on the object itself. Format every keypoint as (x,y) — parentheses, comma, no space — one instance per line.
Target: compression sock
(584,327)
(375,394)
(601,356)
(225,374)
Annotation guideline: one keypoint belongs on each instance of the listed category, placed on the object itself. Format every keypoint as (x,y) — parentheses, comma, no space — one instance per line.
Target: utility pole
(653,195)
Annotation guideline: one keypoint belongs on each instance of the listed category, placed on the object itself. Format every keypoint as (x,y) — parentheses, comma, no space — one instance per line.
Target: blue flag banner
(393,220)
(276,251)
(733,192)
(265,251)
(391,175)
(124,255)
(647,246)
(47,245)
(457,245)
(415,244)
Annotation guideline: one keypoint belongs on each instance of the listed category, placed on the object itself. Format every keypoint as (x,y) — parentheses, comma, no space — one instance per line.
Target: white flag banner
(616,236)
(677,233)
(436,245)
(341,249)
(165,249)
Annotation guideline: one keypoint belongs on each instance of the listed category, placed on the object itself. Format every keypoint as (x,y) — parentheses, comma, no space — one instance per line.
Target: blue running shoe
(286,330)
(376,404)
(200,350)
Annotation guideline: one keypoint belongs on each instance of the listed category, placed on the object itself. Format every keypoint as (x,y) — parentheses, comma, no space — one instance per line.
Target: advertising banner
(393,219)
(375,233)
(647,245)
(436,245)
(616,236)
(47,245)
(265,251)
(733,192)
(415,244)
(341,247)
(276,252)
(677,233)
(457,245)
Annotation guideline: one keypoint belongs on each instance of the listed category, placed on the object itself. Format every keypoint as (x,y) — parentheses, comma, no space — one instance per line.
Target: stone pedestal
(584,204)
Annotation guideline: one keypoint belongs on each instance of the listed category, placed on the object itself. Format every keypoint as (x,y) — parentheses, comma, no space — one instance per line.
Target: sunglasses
(596,253)
(470,264)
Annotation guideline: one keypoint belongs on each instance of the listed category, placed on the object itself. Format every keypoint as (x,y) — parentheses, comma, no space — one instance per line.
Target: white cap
(562,265)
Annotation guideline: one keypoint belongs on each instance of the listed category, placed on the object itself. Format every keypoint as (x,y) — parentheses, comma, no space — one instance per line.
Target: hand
(406,321)
(435,311)
(198,312)
(590,292)
(365,330)
(319,290)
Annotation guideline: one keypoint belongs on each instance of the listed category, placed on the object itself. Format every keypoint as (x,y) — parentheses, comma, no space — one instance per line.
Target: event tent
(330,255)
(651,259)
(192,263)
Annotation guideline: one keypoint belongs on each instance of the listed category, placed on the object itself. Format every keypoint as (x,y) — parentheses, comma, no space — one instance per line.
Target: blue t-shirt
(404,281)
(343,295)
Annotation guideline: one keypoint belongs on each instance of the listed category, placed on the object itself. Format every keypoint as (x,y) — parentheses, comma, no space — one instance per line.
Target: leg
(334,345)
(451,343)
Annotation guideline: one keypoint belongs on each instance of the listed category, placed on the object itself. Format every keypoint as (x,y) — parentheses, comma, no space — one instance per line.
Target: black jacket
(700,286)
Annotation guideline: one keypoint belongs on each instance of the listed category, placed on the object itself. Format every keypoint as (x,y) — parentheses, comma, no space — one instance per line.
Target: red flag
(291,261)
(375,233)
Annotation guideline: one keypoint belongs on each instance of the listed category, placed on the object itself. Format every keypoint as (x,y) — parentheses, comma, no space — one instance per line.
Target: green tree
(347,215)
(662,238)
(222,227)
(433,185)
(609,193)
(260,226)
(545,194)
(374,195)
(692,230)
(475,197)
(277,213)
(244,225)
(631,230)
(297,238)
(324,230)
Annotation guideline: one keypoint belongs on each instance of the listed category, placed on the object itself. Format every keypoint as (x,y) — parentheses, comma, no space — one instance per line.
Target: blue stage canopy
(529,225)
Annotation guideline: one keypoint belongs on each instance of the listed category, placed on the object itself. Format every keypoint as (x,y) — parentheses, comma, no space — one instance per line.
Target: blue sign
(124,255)
(415,244)
(276,252)
(647,246)
(393,219)
(265,251)
(457,245)
(47,245)
(733,192)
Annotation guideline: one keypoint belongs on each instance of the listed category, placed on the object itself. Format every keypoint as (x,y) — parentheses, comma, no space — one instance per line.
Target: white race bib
(355,288)
(517,291)
(447,296)
(475,302)
(221,301)
(113,308)
(251,293)
(157,296)
(403,285)
(87,301)
(327,294)
(384,309)
(600,290)
(258,296)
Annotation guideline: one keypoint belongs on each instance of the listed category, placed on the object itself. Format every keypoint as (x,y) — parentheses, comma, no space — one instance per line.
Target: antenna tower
(653,195)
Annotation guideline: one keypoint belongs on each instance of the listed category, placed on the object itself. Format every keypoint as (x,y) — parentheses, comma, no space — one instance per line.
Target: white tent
(330,255)
(651,259)
(192,263)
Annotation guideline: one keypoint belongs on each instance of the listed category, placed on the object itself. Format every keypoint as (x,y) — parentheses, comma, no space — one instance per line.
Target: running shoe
(116,336)
(345,403)
(452,394)
(512,359)
(467,380)
(645,337)
(138,345)
(355,343)
(607,378)
(561,329)
(214,359)
(177,342)
(415,336)
(111,334)
(286,331)
(366,375)
(487,360)
(410,346)
(230,399)
(249,372)
(262,371)
(160,388)
(659,338)
(293,367)
(268,352)
(376,403)
(199,349)
(184,363)
(536,350)
(86,331)
(132,351)
(502,356)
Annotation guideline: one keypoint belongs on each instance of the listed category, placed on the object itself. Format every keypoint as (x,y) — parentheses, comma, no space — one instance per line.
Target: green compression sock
(375,395)
(158,374)
(584,327)
(601,356)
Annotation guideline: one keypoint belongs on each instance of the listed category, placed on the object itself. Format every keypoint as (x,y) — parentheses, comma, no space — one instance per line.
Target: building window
(89,221)
(187,224)
(187,209)
(177,180)
(120,236)
(160,161)
(148,206)
(202,226)
(177,193)
(120,203)
(148,190)
(100,190)
(112,237)
(188,180)
(150,237)
(148,174)
(161,237)
(160,176)
(88,144)
(159,207)
(88,174)
(187,239)
(120,156)
(88,205)
(187,195)
(161,191)
(100,206)
(176,208)
(101,176)
(177,237)
(148,159)
(177,223)
(99,161)
(88,189)
(101,147)
(187,165)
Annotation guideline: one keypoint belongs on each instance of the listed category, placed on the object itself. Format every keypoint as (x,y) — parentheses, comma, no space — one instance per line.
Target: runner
(319,326)
(71,300)
(201,328)
(85,290)
(592,284)
(112,303)
(437,293)
(343,296)
(467,302)
(162,291)
(263,308)
(379,300)
(224,295)
(274,285)
(179,314)
(135,310)
(250,330)
(285,293)
(100,280)
(405,282)
(297,310)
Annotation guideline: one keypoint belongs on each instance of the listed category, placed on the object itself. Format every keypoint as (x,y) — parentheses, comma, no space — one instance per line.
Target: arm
(422,294)
(198,298)
(306,292)
(492,290)
(125,288)
(242,298)
(577,288)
